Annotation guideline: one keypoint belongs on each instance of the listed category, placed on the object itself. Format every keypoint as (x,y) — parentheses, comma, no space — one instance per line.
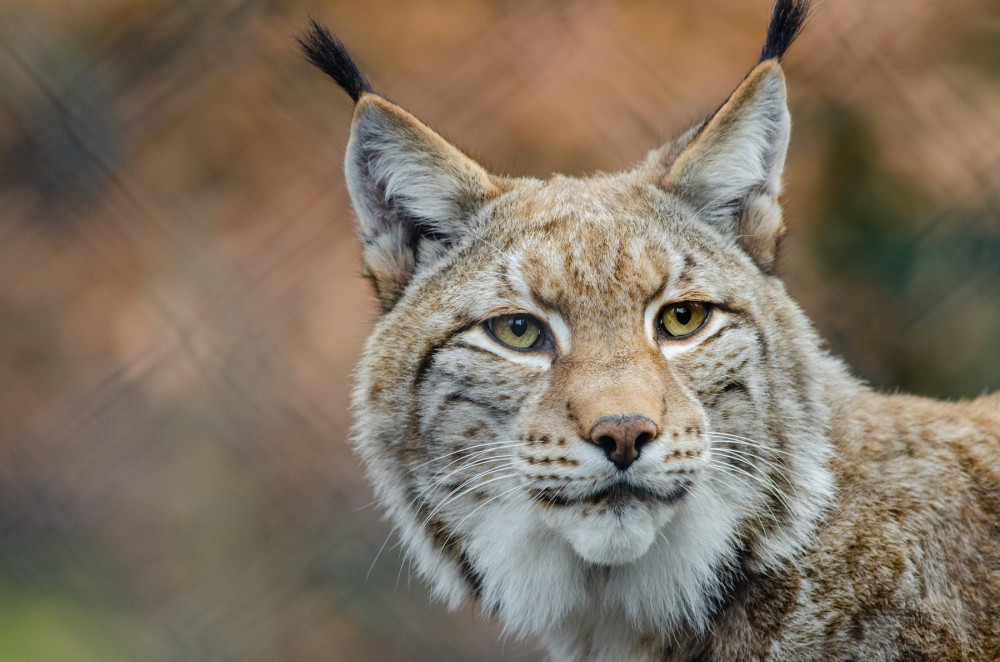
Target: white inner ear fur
(415,194)
(394,159)
(740,152)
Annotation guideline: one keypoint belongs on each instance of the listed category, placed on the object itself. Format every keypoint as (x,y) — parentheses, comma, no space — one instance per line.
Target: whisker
(459,492)
(364,507)
(781,469)
(488,446)
(483,458)
(405,562)
(477,459)
(746,441)
(770,487)
(750,509)
(474,511)
(379,552)
(781,484)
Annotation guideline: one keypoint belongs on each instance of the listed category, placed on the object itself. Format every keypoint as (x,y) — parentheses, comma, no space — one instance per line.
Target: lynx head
(590,393)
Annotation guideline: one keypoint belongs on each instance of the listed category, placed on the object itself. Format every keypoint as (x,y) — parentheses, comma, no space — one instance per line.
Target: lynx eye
(683,318)
(516,331)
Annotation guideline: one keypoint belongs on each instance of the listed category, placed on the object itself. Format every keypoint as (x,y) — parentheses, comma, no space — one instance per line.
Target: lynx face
(604,426)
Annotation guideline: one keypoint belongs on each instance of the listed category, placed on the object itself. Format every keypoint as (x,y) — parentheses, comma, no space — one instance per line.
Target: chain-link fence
(181,302)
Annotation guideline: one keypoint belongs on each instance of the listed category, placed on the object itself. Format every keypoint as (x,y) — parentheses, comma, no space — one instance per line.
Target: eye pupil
(683,315)
(518,326)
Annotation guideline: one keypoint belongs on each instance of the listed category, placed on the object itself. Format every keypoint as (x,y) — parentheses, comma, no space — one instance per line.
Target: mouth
(616,496)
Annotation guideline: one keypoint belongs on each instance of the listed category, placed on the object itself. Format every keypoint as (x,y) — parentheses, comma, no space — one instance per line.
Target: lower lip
(618,494)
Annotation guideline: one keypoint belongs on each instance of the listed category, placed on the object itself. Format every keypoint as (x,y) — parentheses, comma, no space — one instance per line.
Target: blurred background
(181,302)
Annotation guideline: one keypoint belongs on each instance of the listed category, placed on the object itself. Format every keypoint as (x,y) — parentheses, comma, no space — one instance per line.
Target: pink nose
(622,437)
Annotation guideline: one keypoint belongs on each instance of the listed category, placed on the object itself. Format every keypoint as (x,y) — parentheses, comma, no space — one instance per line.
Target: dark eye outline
(661,328)
(542,342)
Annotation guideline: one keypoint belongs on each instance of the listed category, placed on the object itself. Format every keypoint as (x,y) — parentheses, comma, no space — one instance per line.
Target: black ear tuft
(329,54)
(787,17)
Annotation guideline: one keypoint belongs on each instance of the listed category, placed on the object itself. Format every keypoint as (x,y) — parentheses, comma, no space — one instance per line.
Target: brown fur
(907,565)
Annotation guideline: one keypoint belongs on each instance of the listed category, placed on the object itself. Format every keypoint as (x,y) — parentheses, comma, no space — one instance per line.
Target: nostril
(642,439)
(608,443)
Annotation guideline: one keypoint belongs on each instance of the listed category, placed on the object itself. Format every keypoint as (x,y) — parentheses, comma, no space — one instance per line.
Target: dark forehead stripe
(686,276)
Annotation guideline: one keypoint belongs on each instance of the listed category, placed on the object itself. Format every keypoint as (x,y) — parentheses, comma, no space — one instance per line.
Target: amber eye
(517,331)
(683,318)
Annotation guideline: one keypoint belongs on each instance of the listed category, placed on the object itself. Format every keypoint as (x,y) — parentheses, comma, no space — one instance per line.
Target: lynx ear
(413,191)
(731,170)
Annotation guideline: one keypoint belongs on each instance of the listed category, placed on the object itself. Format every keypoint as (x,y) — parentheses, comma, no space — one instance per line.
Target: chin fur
(609,534)
(647,566)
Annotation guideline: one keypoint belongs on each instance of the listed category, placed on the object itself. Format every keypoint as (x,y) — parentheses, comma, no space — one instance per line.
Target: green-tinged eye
(517,331)
(683,318)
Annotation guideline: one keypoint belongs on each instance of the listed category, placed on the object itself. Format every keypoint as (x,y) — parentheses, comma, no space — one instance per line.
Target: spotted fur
(781,511)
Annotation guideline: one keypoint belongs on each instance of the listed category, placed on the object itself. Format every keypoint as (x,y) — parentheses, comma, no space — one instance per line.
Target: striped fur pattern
(776,508)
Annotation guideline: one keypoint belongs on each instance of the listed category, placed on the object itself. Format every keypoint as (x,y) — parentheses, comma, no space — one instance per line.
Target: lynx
(590,405)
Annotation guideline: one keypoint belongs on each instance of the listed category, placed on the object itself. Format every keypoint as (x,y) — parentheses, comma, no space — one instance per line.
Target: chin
(614,531)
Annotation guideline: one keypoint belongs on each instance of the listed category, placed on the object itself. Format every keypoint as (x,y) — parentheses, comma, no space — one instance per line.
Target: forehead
(590,242)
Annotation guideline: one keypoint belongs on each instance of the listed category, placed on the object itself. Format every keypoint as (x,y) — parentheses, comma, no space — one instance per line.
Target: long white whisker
(459,492)
(456,489)
(492,445)
(743,455)
(379,552)
(772,488)
(784,474)
(481,459)
(750,507)
(746,441)
(474,511)
(475,459)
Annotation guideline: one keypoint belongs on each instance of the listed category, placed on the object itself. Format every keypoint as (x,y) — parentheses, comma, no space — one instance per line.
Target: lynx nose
(622,437)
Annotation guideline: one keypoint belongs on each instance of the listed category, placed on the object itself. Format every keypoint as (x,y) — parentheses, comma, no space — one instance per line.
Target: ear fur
(414,192)
(731,170)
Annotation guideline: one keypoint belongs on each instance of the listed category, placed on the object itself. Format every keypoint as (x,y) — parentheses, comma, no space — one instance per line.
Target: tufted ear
(414,192)
(731,170)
